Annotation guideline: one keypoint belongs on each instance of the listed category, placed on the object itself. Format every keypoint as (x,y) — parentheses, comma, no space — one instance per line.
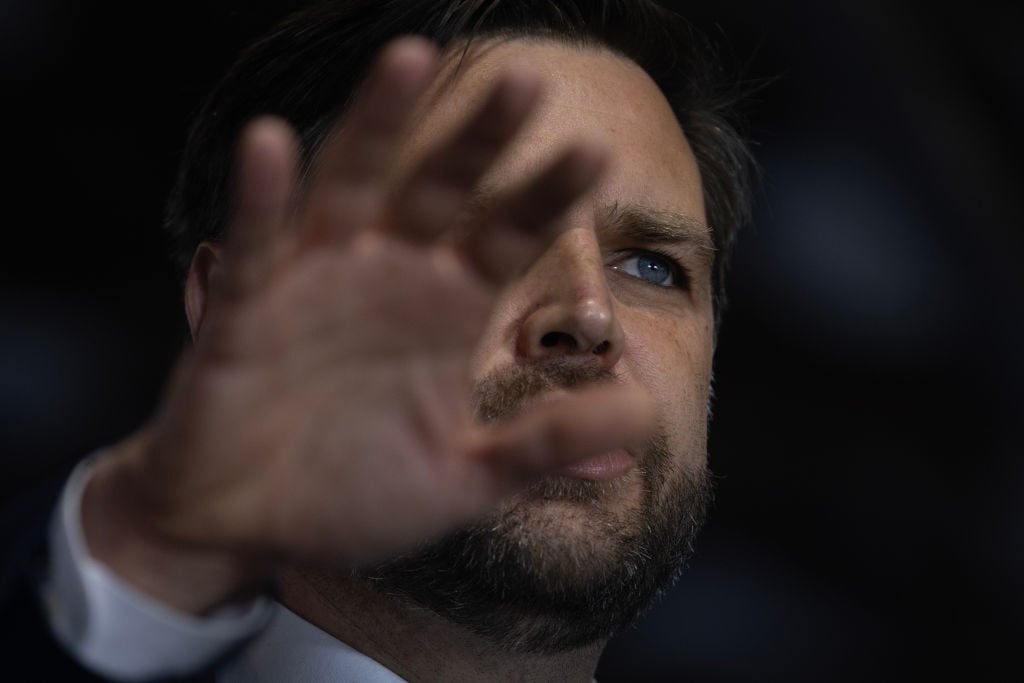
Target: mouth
(603,467)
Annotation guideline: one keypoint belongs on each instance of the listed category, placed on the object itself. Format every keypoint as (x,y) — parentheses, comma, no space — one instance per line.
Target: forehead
(589,93)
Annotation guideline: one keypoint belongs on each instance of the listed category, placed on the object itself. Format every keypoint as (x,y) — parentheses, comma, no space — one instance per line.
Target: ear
(205,276)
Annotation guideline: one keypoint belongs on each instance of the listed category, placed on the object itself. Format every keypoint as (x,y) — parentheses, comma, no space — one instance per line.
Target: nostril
(602,347)
(552,339)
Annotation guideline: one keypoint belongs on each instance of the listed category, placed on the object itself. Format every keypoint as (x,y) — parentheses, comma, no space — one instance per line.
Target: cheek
(496,343)
(672,359)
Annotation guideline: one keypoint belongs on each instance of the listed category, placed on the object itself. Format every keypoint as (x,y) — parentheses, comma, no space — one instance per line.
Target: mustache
(502,393)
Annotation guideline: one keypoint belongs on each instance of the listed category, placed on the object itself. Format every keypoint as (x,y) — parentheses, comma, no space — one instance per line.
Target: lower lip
(604,467)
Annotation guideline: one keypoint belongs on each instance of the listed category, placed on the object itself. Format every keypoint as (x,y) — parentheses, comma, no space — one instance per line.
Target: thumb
(565,429)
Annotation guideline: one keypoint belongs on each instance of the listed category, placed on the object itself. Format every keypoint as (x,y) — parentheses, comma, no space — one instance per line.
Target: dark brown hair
(307,70)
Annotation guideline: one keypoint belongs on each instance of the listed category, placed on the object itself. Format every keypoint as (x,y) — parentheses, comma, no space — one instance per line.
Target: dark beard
(497,579)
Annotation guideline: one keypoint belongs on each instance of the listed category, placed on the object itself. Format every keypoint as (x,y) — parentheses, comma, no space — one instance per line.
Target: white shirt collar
(292,650)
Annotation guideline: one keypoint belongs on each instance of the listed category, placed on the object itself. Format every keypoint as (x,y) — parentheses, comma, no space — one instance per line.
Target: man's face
(623,294)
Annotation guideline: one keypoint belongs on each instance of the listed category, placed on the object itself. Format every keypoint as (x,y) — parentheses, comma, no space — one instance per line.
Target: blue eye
(649,267)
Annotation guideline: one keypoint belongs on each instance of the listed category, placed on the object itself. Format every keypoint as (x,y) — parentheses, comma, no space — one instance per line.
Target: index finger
(586,423)
(349,186)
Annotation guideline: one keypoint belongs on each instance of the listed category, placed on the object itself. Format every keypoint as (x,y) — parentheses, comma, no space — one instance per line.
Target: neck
(415,643)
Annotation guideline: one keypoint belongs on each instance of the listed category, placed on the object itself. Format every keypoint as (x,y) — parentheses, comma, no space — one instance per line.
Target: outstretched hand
(324,415)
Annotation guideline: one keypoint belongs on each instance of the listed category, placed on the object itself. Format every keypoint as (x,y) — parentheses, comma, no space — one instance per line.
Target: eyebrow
(634,222)
(648,225)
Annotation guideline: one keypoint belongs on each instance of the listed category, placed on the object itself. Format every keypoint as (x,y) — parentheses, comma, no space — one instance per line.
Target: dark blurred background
(868,433)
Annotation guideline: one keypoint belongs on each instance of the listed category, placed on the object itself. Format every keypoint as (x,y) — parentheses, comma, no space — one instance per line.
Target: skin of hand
(324,415)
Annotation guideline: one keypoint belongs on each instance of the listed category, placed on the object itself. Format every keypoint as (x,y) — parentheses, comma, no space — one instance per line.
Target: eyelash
(680,275)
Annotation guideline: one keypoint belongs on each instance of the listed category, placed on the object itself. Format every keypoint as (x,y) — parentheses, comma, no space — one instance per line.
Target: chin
(562,565)
(569,529)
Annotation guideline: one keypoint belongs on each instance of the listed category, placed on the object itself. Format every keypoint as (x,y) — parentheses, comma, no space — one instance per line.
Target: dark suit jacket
(28,647)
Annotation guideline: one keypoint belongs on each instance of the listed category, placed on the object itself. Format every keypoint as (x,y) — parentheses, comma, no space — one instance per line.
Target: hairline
(465,45)
(701,101)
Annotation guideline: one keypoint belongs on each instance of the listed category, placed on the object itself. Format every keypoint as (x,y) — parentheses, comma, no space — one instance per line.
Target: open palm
(325,413)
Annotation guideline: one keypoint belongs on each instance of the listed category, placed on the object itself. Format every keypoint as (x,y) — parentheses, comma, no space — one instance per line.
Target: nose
(571,310)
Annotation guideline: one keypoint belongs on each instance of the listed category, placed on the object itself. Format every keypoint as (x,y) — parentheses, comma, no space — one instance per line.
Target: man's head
(626,293)
(308,70)
(623,295)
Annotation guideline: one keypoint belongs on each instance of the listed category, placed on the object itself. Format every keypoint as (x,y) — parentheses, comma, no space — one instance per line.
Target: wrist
(119,531)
